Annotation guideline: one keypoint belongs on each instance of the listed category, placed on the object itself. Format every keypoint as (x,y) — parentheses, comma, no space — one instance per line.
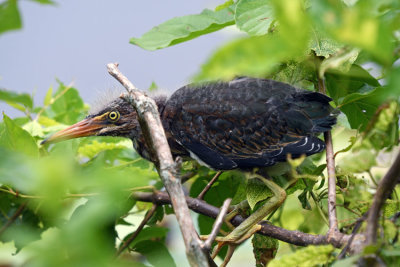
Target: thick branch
(385,188)
(292,237)
(153,130)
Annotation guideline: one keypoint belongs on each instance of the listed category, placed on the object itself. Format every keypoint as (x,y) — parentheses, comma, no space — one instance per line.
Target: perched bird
(243,124)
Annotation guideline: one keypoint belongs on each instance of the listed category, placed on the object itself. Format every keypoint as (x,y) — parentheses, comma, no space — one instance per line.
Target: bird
(246,124)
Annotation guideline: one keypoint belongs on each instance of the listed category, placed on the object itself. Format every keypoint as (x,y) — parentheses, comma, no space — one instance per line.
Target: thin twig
(385,187)
(146,218)
(357,227)
(330,164)
(12,219)
(151,126)
(208,186)
(217,224)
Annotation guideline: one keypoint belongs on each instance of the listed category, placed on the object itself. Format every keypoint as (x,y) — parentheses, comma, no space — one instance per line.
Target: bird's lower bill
(86,127)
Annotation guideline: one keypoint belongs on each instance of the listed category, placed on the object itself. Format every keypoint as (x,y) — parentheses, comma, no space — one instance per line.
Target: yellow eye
(113,115)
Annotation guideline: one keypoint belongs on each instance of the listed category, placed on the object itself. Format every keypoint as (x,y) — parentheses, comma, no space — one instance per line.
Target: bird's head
(117,118)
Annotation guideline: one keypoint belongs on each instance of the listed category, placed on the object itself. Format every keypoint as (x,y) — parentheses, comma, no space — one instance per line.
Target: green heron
(243,124)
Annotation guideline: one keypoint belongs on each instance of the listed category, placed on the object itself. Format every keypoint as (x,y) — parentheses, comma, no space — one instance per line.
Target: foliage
(60,204)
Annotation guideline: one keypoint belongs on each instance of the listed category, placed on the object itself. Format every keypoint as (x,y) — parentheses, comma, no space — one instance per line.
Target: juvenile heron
(243,124)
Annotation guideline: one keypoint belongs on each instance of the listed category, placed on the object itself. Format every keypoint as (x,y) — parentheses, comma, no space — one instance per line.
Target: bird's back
(247,122)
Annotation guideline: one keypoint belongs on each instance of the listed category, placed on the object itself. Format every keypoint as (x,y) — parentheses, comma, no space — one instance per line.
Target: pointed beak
(86,127)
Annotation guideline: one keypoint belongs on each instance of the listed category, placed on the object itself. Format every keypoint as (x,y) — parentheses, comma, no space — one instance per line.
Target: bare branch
(146,218)
(385,188)
(292,237)
(154,134)
(208,186)
(330,164)
(217,224)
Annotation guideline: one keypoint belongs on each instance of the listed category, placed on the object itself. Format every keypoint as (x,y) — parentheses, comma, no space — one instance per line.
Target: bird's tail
(316,107)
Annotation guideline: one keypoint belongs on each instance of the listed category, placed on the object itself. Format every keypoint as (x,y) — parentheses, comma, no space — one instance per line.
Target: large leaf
(254,17)
(254,56)
(181,29)
(15,138)
(361,107)
(16,98)
(341,84)
(10,18)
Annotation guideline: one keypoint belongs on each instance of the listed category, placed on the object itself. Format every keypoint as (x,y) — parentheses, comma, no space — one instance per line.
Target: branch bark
(292,237)
(153,131)
(330,163)
(385,187)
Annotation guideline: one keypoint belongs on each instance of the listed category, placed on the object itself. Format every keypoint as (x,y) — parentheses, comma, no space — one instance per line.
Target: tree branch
(217,224)
(292,237)
(154,134)
(146,218)
(330,164)
(385,187)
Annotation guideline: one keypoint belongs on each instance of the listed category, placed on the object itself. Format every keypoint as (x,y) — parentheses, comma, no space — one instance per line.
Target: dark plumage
(243,123)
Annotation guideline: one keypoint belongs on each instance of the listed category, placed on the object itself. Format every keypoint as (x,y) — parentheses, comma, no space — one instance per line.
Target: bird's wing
(243,123)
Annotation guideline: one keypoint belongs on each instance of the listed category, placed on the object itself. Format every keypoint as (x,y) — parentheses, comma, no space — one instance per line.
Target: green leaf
(254,16)
(257,191)
(264,249)
(44,2)
(33,128)
(322,45)
(181,29)
(48,97)
(254,56)
(309,256)
(16,98)
(90,150)
(357,80)
(298,74)
(360,107)
(9,16)
(150,233)
(341,61)
(68,108)
(228,3)
(304,201)
(15,138)
(156,253)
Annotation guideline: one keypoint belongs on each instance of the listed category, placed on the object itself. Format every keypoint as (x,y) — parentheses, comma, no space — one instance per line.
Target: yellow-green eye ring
(113,115)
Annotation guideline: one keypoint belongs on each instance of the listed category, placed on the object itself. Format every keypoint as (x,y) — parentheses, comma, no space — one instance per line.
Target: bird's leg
(248,227)
(237,209)
(279,195)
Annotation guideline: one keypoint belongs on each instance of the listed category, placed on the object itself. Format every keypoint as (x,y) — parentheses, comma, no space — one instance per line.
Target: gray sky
(74,41)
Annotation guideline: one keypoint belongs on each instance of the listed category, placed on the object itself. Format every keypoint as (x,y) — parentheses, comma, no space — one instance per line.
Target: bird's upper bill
(87,127)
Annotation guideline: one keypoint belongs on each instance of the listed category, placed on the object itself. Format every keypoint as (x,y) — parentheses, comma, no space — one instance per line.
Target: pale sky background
(74,40)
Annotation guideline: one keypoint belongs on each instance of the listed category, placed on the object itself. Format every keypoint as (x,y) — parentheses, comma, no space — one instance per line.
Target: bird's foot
(232,240)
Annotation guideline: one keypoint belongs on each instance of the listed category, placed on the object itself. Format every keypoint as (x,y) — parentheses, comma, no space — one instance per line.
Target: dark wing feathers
(247,122)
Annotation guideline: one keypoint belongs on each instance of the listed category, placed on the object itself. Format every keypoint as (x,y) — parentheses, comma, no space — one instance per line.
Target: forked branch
(150,123)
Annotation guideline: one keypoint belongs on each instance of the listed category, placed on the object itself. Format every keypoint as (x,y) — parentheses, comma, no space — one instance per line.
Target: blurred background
(74,40)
